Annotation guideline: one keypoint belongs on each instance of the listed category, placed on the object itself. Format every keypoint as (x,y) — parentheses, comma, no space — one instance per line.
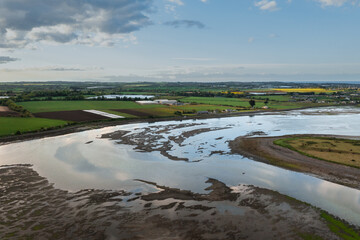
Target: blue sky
(180,40)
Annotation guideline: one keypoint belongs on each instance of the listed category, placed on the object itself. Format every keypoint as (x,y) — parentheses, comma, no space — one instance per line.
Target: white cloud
(177,2)
(336,3)
(266,5)
(251,40)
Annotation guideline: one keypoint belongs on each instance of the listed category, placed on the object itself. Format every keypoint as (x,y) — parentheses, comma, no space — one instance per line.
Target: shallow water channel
(85,160)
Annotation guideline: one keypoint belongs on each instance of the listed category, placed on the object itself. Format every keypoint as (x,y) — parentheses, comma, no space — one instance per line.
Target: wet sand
(33,209)
(264,150)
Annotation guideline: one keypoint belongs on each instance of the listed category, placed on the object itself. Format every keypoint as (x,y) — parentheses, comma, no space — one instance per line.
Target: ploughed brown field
(6,112)
(133,112)
(75,116)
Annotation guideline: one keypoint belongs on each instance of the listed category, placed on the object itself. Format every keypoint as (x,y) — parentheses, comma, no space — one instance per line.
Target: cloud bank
(336,3)
(185,23)
(4,59)
(103,22)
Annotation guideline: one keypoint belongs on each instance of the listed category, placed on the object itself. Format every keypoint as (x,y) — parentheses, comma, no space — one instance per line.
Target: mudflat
(33,208)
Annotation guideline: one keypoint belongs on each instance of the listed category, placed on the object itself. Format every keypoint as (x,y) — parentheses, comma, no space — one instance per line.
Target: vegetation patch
(280,98)
(12,125)
(233,102)
(53,106)
(341,151)
(17,108)
(272,102)
(341,229)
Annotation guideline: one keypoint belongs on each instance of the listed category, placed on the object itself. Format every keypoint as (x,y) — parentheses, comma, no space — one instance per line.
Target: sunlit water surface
(71,164)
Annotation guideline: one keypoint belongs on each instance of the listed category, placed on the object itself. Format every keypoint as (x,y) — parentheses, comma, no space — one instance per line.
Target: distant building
(166,101)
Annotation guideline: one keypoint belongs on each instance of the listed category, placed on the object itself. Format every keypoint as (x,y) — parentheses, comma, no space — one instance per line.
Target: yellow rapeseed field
(304,90)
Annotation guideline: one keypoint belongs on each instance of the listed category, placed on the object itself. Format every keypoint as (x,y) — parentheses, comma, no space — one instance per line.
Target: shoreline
(264,150)
(102,214)
(80,127)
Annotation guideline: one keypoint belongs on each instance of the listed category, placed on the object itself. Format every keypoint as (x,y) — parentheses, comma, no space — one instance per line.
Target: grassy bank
(21,125)
(341,151)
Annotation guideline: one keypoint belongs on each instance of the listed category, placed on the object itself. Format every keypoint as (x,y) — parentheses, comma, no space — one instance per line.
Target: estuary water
(85,160)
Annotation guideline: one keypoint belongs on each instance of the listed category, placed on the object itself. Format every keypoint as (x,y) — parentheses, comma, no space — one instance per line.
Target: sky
(179,40)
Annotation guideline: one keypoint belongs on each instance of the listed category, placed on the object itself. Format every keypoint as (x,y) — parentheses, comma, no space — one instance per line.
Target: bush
(17,108)
(178,113)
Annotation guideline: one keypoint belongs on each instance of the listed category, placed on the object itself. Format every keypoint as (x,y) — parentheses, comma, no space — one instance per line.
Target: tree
(178,113)
(252,103)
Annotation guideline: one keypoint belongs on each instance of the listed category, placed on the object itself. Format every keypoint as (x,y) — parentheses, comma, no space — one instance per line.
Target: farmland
(26,124)
(304,90)
(234,102)
(274,98)
(110,106)
(53,106)
(65,101)
(244,103)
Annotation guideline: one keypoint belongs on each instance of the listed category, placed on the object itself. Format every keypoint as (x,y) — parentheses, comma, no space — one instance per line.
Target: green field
(54,106)
(202,107)
(10,125)
(274,98)
(241,102)
(155,110)
(234,102)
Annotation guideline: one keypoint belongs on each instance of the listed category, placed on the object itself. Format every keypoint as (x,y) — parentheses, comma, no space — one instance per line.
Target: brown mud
(33,209)
(147,140)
